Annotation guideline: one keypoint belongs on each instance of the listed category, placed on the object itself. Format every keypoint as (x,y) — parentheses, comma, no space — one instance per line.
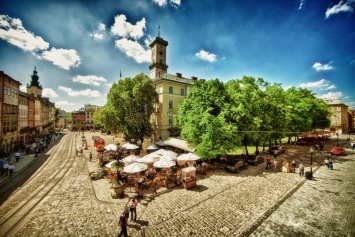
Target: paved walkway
(220,204)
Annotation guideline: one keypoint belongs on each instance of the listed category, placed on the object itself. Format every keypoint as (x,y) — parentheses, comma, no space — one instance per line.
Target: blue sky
(80,47)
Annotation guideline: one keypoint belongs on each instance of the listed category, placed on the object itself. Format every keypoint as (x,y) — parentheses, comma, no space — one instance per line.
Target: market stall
(188,177)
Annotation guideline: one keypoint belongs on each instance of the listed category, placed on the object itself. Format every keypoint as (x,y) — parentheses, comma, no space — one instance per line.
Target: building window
(171,104)
(171,90)
(5,90)
(171,120)
(182,91)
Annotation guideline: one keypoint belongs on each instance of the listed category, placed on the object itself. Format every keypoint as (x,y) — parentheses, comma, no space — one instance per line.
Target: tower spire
(159,30)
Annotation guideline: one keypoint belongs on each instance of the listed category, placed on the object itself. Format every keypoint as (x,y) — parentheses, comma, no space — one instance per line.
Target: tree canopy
(130,104)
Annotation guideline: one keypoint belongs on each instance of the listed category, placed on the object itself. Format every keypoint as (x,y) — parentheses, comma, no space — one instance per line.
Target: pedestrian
(17,156)
(11,169)
(133,209)
(6,169)
(321,146)
(122,223)
(275,153)
(326,163)
(330,164)
(268,163)
(275,165)
(353,145)
(301,167)
(2,163)
(293,165)
(90,155)
(126,209)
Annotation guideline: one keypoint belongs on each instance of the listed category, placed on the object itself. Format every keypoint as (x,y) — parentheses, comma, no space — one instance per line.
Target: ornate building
(172,89)
(9,113)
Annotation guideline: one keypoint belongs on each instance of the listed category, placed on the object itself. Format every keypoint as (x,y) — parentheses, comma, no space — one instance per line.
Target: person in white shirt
(17,156)
(11,169)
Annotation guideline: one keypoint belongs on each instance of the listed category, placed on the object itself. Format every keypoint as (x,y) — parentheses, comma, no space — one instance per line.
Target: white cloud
(12,31)
(342,6)
(133,50)
(301,4)
(331,96)
(64,102)
(321,85)
(89,80)
(64,58)
(87,92)
(99,34)
(206,56)
(124,29)
(48,92)
(174,3)
(322,67)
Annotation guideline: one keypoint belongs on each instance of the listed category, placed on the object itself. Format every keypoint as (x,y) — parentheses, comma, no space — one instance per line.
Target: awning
(175,142)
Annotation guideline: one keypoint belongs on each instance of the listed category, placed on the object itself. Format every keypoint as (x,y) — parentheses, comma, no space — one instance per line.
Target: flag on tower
(120,74)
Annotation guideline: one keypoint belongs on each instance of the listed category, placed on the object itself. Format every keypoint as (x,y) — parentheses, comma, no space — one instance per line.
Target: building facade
(9,113)
(339,121)
(172,90)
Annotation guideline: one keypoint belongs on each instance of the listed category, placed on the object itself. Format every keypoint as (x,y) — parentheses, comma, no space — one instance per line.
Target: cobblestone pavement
(222,204)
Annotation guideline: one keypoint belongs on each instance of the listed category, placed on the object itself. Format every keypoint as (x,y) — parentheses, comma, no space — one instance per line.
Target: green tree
(208,119)
(131,102)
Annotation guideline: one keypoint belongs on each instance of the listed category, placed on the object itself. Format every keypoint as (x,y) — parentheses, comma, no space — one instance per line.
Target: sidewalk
(24,161)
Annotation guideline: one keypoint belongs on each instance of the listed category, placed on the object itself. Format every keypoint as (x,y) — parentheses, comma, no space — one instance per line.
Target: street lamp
(311,150)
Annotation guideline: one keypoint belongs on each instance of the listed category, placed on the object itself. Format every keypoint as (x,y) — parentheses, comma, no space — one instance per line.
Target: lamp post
(311,150)
(337,139)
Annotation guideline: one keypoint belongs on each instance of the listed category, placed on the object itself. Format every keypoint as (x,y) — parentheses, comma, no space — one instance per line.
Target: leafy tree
(208,119)
(131,103)
(248,102)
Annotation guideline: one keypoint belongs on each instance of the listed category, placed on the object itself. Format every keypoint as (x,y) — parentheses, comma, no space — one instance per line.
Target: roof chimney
(193,78)
(178,74)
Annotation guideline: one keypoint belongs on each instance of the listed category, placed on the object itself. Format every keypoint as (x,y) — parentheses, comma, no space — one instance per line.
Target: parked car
(337,150)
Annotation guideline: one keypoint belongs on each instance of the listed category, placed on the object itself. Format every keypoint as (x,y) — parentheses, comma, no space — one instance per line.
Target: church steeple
(35,79)
(158,65)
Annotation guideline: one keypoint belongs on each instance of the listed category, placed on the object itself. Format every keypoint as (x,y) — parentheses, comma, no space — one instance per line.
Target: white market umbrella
(111,147)
(109,164)
(162,163)
(135,168)
(168,156)
(130,146)
(160,143)
(130,159)
(188,157)
(147,159)
(160,152)
(152,147)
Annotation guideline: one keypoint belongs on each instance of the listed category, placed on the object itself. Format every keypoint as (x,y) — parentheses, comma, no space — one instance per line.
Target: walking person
(275,165)
(133,209)
(6,169)
(275,153)
(301,167)
(17,156)
(11,169)
(326,163)
(330,164)
(293,165)
(268,163)
(122,223)
(126,209)
(90,156)
(2,163)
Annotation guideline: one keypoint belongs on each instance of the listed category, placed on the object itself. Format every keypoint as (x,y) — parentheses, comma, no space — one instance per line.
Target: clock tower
(158,65)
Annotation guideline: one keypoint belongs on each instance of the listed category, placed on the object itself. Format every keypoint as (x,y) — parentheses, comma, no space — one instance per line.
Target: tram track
(24,201)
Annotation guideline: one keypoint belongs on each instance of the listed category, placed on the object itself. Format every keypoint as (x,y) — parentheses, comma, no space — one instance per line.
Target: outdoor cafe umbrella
(163,163)
(130,159)
(152,147)
(147,159)
(130,146)
(160,152)
(135,168)
(168,156)
(109,165)
(188,157)
(111,147)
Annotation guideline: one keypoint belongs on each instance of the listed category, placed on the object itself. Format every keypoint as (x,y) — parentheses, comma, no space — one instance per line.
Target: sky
(81,47)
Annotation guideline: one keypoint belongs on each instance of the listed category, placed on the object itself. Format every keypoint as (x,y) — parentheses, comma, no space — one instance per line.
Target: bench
(235,168)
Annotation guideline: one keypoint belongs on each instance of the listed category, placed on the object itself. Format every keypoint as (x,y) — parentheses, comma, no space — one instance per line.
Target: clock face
(161,53)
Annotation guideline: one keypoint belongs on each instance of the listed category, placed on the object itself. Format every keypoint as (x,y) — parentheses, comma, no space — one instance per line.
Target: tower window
(171,104)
